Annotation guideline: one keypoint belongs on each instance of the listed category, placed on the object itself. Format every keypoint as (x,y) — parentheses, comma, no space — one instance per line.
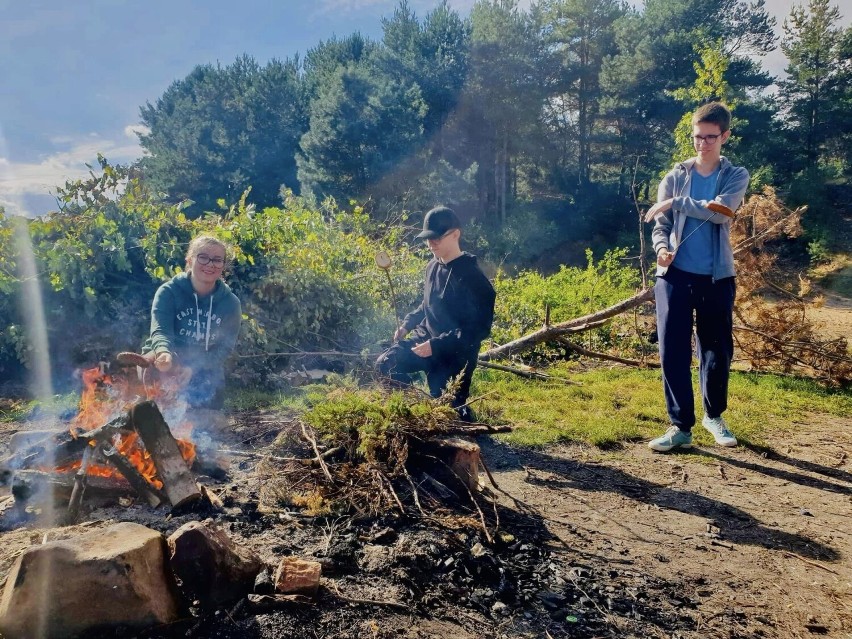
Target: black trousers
(678,295)
(399,362)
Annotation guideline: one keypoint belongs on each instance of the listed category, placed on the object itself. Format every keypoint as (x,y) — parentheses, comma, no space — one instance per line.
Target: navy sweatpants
(680,294)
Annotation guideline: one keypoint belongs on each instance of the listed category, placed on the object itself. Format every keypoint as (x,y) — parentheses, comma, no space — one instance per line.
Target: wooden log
(141,485)
(80,484)
(38,486)
(460,456)
(24,439)
(178,483)
(59,448)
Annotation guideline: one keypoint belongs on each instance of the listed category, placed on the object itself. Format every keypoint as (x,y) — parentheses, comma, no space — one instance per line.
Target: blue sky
(75,74)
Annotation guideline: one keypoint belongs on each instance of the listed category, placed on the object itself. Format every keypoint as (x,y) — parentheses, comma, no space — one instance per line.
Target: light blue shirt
(695,255)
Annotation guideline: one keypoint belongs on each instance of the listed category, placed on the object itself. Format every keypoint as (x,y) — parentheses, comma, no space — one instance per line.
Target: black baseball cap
(438,222)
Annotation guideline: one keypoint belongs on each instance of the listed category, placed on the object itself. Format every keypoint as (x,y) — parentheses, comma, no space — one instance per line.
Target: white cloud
(133,130)
(22,180)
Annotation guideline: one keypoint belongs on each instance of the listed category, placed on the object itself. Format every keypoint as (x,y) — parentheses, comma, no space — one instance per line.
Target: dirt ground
(721,543)
(758,539)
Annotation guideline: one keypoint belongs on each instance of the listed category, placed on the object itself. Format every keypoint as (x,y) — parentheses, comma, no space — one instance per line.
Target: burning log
(59,448)
(141,485)
(178,483)
(80,483)
(28,485)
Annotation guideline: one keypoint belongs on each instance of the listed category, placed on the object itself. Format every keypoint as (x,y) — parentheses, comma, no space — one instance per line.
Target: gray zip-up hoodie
(731,186)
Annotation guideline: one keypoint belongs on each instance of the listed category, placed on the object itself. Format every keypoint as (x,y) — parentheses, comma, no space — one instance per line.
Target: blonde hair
(202,241)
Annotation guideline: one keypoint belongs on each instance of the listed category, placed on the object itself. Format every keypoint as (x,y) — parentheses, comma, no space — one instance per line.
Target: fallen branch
(528,374)
(299,460)
(593,320)
(611,358)
(384,480)
(369,602)
(576,325)
(313,443)
(811,563)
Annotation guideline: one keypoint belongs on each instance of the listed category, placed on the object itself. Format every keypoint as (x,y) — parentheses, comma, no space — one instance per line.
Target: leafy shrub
(307,278)
(522,236)
(572,292)
(818,250)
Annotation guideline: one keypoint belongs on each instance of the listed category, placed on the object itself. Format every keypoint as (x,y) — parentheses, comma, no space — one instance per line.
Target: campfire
(118,445)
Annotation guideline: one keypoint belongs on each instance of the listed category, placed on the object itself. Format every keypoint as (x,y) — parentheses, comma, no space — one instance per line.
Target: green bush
(570,293)
(306,277)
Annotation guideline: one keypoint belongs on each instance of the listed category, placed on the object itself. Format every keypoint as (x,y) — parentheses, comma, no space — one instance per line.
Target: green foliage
(308,279)
(364,122)
(709,86)
(221,130)
(818,250)
(522,237)
(816,92)
(372,418)
(572,292)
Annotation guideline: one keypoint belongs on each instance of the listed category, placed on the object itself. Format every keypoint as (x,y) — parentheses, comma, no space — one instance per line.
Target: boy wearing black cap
(451,321)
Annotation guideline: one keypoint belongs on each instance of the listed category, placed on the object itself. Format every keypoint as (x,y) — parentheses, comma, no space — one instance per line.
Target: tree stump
(458,460)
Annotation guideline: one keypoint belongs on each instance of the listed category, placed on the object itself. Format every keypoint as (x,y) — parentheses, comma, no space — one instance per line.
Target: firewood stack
(134,454)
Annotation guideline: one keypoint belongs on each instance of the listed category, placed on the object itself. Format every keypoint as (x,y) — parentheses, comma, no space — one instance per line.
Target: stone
(103,579)
(263,583)
(297,576)
(210,567)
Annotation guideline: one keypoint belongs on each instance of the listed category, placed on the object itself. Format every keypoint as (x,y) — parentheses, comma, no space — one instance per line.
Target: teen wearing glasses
(692,218)
(195,322)
(451,321)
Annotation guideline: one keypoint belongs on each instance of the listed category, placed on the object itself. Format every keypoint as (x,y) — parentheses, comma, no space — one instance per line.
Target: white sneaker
(719,429)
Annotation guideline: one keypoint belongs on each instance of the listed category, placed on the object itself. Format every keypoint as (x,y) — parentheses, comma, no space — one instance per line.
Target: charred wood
(179,485)
(59,448)
(141,485)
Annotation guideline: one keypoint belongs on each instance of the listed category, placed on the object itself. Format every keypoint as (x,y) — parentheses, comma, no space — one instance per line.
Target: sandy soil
(759,538)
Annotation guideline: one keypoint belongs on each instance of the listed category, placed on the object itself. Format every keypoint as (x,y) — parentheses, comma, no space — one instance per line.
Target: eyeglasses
(708,139)
(205,259)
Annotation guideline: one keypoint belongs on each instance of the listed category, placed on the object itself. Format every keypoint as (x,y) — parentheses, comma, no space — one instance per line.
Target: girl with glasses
(195,322)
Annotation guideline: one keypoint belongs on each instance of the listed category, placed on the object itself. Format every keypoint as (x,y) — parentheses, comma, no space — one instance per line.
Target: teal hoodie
(199,331)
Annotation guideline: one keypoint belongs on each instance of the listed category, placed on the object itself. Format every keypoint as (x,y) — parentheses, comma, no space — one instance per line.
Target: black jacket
(457,307)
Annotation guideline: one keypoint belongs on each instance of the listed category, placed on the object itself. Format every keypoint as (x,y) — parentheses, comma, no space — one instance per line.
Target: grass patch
(610,407)
(298,399)
(620,404)
(21,410)
(15,410)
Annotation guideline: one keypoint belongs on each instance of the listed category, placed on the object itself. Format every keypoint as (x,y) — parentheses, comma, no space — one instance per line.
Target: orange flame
(104,397)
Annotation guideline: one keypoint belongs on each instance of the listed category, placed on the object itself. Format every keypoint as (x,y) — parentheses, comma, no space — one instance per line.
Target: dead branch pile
(772,329)
(371,452)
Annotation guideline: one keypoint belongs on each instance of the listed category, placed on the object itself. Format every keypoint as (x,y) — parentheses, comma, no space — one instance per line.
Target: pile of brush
(370,452)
